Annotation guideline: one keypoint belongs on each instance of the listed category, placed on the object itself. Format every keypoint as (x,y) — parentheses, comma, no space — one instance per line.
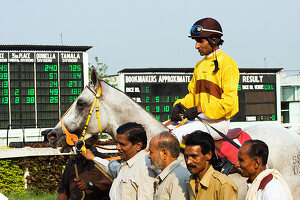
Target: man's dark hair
(170,142)
(135,133)
(205,141)
(258,148)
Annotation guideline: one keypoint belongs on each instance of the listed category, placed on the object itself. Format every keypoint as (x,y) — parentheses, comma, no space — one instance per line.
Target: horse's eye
(80,103)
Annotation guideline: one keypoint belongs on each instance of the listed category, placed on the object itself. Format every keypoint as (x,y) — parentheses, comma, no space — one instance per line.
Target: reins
(225,137)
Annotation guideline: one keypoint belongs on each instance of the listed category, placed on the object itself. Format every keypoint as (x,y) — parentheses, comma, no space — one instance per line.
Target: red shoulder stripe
(265,181)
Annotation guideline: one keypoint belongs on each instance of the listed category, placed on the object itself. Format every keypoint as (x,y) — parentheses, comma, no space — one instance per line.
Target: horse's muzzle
(52,137)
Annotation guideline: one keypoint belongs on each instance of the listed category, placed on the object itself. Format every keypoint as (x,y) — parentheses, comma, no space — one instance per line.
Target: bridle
(72,139)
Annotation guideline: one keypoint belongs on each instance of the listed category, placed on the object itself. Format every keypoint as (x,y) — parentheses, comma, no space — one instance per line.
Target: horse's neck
(122,109)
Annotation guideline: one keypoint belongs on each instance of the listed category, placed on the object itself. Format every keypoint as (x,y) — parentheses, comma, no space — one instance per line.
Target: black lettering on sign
(296,164)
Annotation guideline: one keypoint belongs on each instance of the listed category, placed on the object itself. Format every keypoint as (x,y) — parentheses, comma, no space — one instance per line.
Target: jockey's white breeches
(191,126)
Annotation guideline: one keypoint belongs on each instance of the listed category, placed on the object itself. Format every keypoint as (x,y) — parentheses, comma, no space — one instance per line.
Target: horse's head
(76,118)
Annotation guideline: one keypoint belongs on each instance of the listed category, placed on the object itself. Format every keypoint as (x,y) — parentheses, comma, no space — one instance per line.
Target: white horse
(116,108)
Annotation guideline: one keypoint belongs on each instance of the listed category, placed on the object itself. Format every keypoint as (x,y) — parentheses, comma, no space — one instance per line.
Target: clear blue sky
(138,33)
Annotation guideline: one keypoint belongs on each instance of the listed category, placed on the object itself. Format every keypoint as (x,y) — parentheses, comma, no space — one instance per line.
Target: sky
(153,34)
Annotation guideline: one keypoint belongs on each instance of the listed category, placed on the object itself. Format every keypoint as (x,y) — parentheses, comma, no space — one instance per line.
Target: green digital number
(71,99)
(157,99)
(3,75)
(76,91)
(53,99)
(3,68)
(239,87)
(50,68)
(166,108)
(4,84)
(54,91)
(157,117)
(157,108)
(29,99)
(5,100)
(30,91)
(168,99)
(16,92)
(147,99)
(147,108)
(273,117)
(5,92)
(52,75)
(76,75)
(176,98)
(17,100)
(147,89)
(75,68)
(73,84)
(53,84)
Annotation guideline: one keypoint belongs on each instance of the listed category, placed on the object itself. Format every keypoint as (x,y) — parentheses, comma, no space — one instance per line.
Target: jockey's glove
(191,113)
(176,111)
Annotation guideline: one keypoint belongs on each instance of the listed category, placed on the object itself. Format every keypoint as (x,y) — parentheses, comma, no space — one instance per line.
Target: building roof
(190,70)
(27,47)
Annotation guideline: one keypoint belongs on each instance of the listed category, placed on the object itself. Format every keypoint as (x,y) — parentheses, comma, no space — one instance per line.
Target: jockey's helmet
(206,28)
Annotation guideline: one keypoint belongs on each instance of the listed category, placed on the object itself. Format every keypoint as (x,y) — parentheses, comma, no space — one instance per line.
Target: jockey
(213,90)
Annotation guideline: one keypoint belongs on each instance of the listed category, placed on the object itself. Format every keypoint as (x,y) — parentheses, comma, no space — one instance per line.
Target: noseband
(72,139)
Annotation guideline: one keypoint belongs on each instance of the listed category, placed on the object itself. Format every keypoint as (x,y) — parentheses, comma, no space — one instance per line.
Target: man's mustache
(191,166)
(239,170)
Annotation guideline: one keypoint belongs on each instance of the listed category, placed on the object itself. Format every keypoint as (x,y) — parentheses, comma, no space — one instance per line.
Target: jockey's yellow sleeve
(216,93)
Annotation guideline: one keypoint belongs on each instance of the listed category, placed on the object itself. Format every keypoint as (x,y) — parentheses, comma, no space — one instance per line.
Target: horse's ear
(94,77)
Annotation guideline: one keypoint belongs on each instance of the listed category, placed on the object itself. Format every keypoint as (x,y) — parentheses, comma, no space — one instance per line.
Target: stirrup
(225,166)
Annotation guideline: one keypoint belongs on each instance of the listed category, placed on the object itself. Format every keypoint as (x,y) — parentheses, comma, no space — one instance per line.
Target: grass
(31,196)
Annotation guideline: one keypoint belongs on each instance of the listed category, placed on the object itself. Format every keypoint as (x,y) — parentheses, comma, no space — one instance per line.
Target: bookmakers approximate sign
(157,93)
(36,88)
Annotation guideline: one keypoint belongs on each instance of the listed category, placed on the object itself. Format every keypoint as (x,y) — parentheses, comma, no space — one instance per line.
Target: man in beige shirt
(134,179)
(171,183)
(205,182)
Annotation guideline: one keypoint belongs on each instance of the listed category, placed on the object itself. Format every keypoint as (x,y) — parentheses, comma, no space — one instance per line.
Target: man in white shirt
(263,183)
(133,177)
(172,182)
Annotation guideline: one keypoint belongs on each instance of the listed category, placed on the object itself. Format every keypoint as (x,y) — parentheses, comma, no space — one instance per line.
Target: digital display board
(257,98)
(37,88)
(157,93)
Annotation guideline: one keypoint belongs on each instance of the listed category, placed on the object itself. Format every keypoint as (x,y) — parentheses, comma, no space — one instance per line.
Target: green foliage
(101,69)
(11,177)
(44,173)
(32,196)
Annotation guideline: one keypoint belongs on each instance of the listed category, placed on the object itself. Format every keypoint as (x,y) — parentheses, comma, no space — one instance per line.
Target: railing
(23,131)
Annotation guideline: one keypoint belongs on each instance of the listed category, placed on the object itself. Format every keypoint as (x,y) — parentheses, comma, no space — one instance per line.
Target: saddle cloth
(227,150)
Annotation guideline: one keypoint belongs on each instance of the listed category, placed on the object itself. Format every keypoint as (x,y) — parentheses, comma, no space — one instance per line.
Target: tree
(101,71)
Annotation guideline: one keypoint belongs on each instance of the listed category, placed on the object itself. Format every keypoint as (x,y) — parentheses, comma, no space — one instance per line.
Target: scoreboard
(157,93)
(257,98)
(37,88)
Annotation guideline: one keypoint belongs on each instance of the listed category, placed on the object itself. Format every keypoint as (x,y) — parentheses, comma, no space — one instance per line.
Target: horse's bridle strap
(71,139)
(96,101)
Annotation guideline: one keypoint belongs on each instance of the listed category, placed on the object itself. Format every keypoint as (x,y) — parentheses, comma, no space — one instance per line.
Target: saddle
(227,153)
(232,134)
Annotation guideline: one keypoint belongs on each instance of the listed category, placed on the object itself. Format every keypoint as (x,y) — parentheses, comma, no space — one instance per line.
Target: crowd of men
(160,174)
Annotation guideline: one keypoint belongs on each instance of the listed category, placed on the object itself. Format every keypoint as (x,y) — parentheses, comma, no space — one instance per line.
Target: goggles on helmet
(197,29)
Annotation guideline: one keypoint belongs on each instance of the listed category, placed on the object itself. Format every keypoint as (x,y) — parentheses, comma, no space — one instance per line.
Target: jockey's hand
(191,113)
(177,109)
